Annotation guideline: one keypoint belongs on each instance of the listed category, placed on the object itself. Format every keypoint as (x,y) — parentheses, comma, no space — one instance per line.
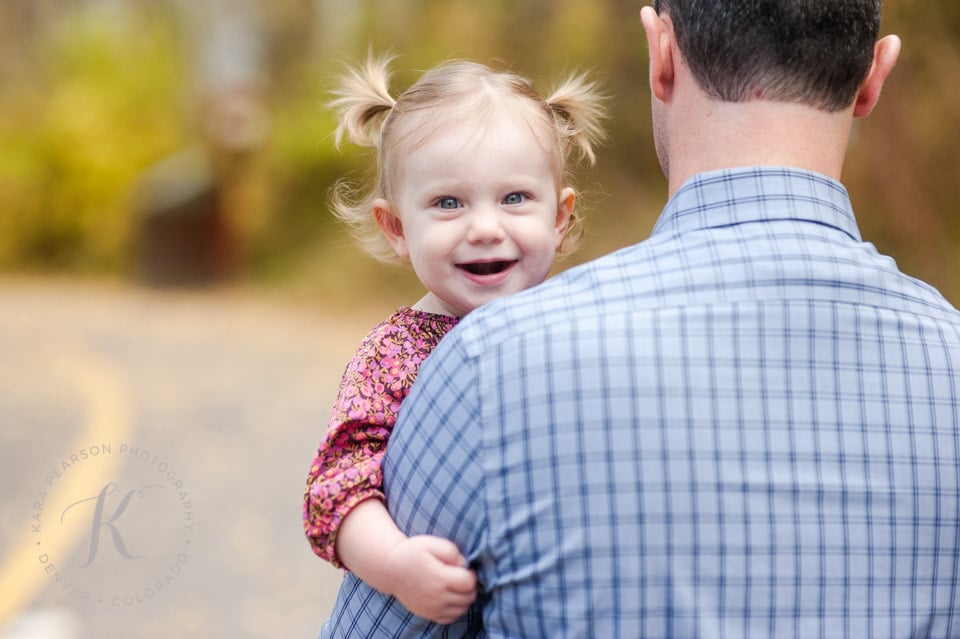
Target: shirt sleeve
(434,483)
(346,469)
(433,469)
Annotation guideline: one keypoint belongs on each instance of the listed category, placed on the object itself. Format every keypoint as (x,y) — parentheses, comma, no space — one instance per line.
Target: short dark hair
(814,52)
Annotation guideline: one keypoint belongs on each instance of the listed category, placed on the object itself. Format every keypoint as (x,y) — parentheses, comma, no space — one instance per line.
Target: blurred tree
(77,123)
(198,208)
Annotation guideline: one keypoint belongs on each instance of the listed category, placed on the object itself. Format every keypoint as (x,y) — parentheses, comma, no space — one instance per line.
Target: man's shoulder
(586,289)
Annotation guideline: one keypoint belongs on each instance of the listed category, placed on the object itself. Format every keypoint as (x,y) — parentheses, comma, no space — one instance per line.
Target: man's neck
(719,135)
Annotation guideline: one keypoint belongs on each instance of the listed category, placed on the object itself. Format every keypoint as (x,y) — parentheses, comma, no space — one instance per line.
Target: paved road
(153,448)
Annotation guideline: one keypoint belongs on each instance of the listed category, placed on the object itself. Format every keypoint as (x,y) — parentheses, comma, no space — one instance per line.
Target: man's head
(812,52)
(751,82)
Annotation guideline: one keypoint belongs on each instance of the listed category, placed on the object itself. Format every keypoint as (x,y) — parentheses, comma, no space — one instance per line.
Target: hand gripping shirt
(747,425)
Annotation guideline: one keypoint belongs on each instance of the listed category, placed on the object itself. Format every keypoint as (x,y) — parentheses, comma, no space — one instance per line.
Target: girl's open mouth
(487,268)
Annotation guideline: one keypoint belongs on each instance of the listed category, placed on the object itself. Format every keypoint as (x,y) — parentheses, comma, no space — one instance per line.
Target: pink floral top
(346,470)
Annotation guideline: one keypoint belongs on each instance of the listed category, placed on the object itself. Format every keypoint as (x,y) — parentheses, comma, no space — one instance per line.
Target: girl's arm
(345,472)
(346,469)
(427,574)
(344,515)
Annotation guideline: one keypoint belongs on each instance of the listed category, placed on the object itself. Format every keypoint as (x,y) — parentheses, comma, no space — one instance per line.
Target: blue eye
(448,203)
(515,198)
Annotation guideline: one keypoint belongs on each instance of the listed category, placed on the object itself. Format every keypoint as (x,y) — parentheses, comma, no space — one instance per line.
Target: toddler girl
(471,191)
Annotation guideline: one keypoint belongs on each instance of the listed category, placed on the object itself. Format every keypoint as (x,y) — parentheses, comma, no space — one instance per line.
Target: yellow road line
(108,419)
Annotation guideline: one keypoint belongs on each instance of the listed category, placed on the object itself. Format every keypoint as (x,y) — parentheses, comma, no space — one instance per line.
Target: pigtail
(363,101)
(578,108)
(578,111)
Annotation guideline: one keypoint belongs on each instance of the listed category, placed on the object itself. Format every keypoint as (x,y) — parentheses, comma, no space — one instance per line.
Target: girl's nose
(485,226)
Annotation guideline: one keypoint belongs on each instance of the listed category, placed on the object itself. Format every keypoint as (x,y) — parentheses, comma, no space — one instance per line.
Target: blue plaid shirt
(746,426)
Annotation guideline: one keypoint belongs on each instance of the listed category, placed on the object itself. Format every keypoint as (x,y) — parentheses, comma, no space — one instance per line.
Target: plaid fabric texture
(747,426)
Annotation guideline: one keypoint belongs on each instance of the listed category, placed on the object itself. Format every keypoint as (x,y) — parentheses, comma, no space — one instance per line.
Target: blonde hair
(369,116)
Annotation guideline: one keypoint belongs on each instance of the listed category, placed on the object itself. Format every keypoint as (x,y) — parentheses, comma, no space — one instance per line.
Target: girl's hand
(429,576)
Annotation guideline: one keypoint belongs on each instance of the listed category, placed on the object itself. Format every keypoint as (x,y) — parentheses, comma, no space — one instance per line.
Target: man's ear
(885,53)
(565,205)
(391,226)
(659,45)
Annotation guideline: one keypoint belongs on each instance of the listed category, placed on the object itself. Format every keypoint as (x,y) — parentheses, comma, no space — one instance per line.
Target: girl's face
(478,212)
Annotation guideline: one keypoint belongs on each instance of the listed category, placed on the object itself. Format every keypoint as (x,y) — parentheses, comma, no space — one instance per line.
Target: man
(747,425)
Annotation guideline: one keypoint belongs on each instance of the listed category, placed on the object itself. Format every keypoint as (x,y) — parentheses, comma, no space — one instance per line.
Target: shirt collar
(751,194)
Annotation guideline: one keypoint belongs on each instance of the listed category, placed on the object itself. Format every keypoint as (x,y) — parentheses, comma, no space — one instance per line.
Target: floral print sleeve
(346,469)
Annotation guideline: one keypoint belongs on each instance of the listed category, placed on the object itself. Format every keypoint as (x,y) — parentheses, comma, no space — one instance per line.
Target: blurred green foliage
(98,102)
(95,99)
